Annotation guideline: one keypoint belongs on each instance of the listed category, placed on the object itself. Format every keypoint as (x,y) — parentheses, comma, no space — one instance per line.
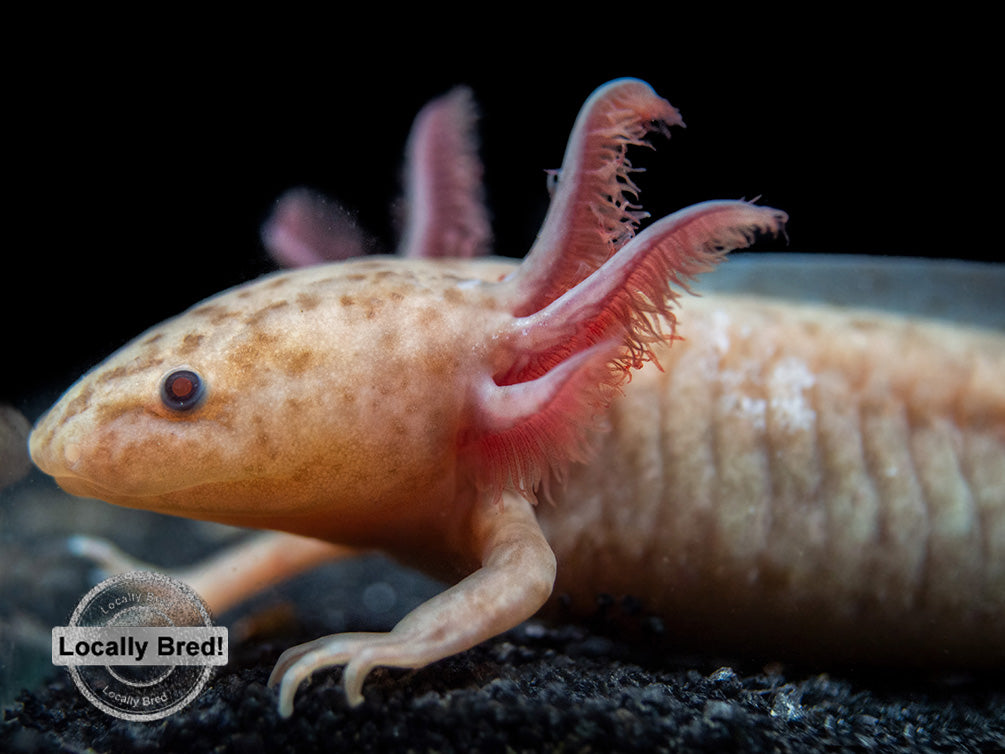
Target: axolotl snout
(779,481)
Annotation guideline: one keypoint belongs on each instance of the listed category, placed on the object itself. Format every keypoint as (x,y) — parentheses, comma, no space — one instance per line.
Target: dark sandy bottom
(562,689)
(534,689)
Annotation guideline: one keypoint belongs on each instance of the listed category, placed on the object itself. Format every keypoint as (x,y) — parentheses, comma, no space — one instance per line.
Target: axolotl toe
(770,478)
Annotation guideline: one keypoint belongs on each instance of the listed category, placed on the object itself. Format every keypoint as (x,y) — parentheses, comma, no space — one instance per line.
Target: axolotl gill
(771,478)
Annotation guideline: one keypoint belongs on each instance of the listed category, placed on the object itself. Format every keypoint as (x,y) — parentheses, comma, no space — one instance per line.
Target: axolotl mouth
(61,458)
(197,498)
(81,487)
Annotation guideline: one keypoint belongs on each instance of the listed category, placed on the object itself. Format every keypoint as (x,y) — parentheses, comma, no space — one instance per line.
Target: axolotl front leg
(514,579)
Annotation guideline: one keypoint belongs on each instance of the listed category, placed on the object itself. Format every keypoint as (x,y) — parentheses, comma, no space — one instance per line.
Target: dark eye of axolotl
(182,390)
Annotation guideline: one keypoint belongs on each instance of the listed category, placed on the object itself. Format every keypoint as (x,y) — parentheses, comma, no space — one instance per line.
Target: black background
(140,170)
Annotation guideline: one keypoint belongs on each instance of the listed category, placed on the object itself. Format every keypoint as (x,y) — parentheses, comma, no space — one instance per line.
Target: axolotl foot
(359,652)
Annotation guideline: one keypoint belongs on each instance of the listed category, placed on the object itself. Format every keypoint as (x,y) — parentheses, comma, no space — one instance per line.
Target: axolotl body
(770,478)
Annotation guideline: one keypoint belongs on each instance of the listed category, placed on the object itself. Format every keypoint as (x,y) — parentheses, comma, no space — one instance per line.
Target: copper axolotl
(773,478)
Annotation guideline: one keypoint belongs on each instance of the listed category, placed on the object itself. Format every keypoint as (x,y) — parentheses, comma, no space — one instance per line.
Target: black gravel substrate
(535,689)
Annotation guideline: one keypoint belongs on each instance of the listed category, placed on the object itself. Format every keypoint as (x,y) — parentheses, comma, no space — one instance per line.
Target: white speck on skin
(754,410)
(787,384)
(72,453)
(751,411)
(719,332)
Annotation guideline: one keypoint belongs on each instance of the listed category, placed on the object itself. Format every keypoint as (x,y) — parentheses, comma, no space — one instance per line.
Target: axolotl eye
(182,390)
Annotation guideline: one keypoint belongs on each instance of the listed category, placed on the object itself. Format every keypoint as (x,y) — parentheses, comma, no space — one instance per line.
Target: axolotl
(771,478)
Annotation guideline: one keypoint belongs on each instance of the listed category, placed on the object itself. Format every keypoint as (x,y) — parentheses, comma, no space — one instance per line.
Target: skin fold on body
(779,479)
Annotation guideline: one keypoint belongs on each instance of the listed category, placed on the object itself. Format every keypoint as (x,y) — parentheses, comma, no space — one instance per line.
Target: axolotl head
(346,382)
(311,399)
